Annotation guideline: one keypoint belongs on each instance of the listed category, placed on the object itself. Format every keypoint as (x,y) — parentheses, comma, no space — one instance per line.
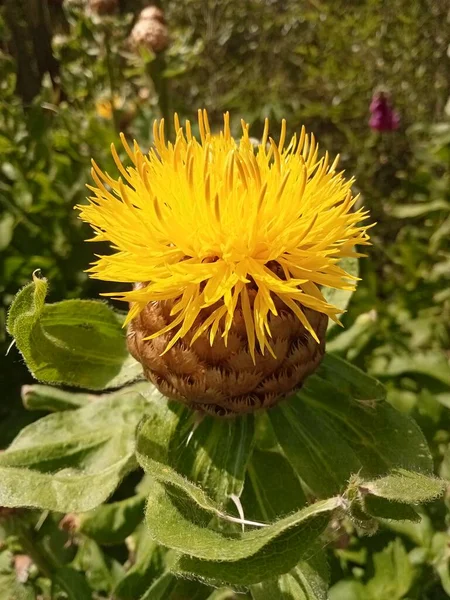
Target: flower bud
(383,116)
(103,7)
(150,31)
(228,247)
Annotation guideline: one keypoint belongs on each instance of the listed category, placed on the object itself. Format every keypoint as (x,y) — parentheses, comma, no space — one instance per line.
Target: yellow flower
(104,107)
(200,221)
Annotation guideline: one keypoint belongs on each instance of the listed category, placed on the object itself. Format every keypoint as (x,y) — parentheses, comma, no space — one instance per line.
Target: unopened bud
(103,7)
(150,31)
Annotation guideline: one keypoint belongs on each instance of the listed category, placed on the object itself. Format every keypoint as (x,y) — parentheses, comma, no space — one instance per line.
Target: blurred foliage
(398,330)
(308,61)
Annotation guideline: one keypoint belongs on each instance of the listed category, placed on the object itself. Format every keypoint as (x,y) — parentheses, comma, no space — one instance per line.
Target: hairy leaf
(72,461)
(405,486)
(76,342)
(148,566)
(53,399)
(338,426)
(347,378)
(113,523)
(280,555)
(387,510)
(272,488)
(177,521)
(73,583)
(319,454)
(213,455)
(307,581)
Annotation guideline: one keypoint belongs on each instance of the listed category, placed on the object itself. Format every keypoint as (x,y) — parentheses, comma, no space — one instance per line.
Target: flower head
(103,7)
(383,116)
(150,30)
(214,224)
(105,107)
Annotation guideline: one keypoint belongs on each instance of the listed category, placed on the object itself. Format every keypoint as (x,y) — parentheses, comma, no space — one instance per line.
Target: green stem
(109,70)
(24,533)
(156,72)
(19,212)
(52,590)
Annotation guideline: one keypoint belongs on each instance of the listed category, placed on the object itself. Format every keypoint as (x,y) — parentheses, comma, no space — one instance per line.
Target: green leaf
(439,549)
(101,570)
(46,397)
(179,512)
(52,541)
(409,211)
(279,556)
(432,364)
(405,486)
(215,454)
(341,298)
(394,574)
(113,523)
(73,583)
(161,588)
(319,454)
(420,533)
(264,435)
(272,488)
(381,437)
(225,594)
(76,342)
(7,222)
(347,378)
(169,587)
(386,510)
(175,520)
(148,566)
(347,590)
(307,581)
(337,427)
(353,338)
(180,589)
(277,491)
(72,461)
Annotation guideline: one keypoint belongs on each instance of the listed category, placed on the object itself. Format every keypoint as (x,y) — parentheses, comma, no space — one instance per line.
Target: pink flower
(383,117)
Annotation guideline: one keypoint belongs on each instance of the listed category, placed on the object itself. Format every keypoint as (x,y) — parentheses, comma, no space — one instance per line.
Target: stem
(33,228)
(109,70)
(156,72)
(24,533)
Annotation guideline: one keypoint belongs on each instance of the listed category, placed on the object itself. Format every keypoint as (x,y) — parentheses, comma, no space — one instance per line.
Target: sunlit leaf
(75,342)
(72,461)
